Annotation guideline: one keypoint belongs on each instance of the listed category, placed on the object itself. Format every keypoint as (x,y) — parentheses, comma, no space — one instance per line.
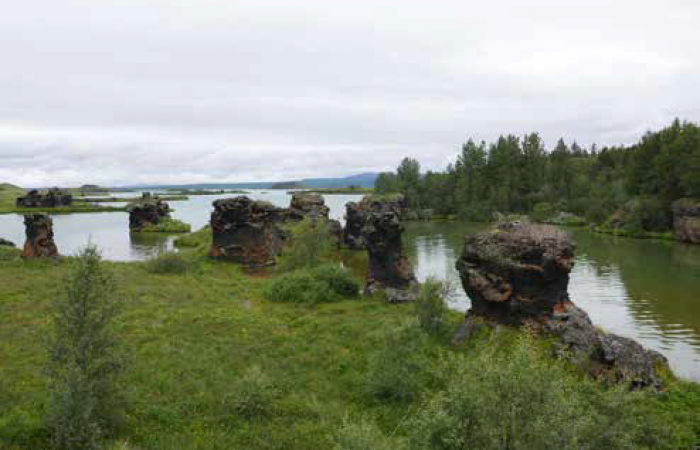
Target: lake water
(646,290)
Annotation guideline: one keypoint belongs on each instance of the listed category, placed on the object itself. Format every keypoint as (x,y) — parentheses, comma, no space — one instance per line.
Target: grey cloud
(209,90)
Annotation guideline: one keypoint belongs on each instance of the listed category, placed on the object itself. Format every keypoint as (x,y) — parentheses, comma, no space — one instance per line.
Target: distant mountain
(365,180)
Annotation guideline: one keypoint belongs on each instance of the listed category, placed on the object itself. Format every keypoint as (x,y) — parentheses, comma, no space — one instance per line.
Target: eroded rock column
(39,242)
(148,210)
(518,275)
(390,271)
(245,231)
(305,205)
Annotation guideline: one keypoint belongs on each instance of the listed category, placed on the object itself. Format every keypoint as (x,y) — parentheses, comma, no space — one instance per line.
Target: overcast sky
(142,91)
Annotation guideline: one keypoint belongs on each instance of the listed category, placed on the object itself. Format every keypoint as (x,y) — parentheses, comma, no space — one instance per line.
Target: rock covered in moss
(390,270)
(55,197)
(40,241)
(356,214)
(307,205)
(147,212)
(518,275)
(245,231)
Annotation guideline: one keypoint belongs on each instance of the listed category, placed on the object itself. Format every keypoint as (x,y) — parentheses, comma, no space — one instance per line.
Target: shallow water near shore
(644,289)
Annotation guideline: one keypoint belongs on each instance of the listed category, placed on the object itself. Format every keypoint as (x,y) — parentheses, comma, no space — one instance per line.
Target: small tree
(310,243)
(85,401)
(431,306)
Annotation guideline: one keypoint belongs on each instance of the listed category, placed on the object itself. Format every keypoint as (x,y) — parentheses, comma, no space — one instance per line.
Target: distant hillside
(8,194)
(365,180)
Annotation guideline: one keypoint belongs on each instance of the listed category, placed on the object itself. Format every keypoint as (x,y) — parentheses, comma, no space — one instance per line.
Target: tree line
(518,175)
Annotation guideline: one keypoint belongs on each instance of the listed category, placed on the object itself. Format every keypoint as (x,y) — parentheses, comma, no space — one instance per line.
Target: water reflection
(646,290)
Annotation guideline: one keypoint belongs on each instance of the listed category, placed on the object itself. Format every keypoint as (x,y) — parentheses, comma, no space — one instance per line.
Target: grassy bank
(207,192)
(73,209)
(166,198)
(221,359)
(340,191)
(621,232)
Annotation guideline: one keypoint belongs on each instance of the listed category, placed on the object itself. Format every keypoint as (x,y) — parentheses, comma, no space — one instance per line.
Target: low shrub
(167,226)
(520,399)
(431,306)
(310,243)
(253,395)
(339,278)
(323,284)
(400,369)
(169,263)
(542,212)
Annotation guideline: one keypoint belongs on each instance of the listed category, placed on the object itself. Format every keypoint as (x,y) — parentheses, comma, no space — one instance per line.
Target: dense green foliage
(310,244)
(84,403)
(514,175)
(321,284)
(520,399)
(431,306)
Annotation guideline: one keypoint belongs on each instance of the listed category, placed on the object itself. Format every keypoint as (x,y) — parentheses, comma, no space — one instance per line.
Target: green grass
(621,232)
(9,194)
(196,341)
(167,225)
(201,238)
(340,191)
(166,198)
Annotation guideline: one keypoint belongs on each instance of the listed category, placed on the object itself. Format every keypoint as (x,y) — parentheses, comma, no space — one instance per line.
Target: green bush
(542,212)
(400,369)
(253,395)
(339,278)
(521,400)
(85,397)
(431,306)
(323,284)
(310,243)
(360,436)
(167,226)
(169,263)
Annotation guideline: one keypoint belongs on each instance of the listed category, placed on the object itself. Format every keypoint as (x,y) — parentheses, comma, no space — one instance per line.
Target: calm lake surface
(646,290)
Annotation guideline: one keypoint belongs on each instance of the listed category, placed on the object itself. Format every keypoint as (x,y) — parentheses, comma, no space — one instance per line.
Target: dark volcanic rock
(305,205)
(246,231)
(39,231)
(336,231)
(148,210)
(686,220)
(512,276)
(390,270)
(6,243)
(518,274)
(356,215)
(53,198)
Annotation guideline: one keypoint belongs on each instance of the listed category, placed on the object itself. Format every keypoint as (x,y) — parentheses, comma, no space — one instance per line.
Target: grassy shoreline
(191,335)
